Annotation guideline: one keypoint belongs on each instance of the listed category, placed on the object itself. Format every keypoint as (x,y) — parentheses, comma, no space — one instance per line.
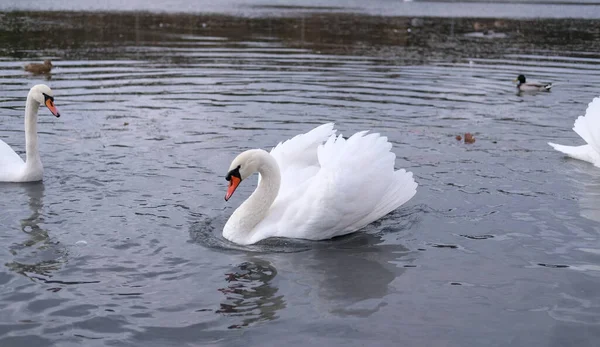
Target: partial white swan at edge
(12,167)
(588,127)
(316,186)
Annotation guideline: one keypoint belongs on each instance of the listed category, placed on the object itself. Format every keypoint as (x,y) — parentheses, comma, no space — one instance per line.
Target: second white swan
(12,167)
(316,186)
(588,127)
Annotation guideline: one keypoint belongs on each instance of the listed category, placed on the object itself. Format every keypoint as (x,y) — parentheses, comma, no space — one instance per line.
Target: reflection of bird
(34,256)
(348,277)
(30,225)
(589,193)
(588,127)
(38,69)
(525,86)
(317,186)
(352,281)
(250,294)
(361,270)
(12,167)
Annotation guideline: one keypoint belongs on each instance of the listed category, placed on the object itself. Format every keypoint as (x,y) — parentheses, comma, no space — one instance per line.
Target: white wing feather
(585,152)
(588,127)
(297,157)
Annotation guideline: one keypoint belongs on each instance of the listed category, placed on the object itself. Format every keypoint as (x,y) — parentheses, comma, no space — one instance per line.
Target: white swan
(588,127)
(316,186)
(12,167)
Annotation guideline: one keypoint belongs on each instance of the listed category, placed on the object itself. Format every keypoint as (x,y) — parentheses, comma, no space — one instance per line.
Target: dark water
(589,9)
(120,245)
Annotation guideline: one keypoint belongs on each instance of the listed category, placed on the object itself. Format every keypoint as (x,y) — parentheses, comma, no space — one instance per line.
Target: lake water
(121,244)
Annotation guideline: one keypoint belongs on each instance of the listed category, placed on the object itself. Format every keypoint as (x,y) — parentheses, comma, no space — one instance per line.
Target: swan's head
(244,165)
(43,94)
(520,79)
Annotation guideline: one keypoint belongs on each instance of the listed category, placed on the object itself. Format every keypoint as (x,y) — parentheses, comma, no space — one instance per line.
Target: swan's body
(588,127)
(12,167)
(531,86)
(317,186)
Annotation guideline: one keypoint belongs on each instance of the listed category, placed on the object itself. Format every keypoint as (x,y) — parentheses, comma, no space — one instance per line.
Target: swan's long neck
(31,135)
(241,224)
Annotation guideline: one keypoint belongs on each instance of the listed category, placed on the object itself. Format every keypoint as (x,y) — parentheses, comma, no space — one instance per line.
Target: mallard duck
(39,69)
(525,86)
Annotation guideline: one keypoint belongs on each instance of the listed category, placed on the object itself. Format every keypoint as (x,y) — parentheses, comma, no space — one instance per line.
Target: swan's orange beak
(51,107)
(234,182)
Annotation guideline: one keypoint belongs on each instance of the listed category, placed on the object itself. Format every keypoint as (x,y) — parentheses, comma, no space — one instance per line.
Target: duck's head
(520,79)
(43,94)
(244,165)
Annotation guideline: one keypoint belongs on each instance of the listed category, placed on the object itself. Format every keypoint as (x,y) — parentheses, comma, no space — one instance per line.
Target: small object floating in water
(81,243)
(478,237)
(588,127)
(469,138)
(439,245)
(554,266)
(317,186)
(531,86)
(458,138)
(38,69)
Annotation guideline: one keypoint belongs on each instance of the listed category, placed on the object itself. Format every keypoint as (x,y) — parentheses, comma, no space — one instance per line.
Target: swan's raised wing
(588,126)
(297,157)
(355,185)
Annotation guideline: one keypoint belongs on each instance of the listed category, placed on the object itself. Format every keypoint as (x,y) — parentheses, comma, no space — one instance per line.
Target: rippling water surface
(121,244)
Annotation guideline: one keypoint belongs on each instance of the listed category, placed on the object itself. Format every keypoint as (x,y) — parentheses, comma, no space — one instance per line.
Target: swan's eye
(46,97)
(235,173)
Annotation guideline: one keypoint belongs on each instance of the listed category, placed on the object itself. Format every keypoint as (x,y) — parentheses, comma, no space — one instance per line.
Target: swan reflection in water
(352,278)
(250,294)
(586,179)
(345,277)
(36,256)
(589,201)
